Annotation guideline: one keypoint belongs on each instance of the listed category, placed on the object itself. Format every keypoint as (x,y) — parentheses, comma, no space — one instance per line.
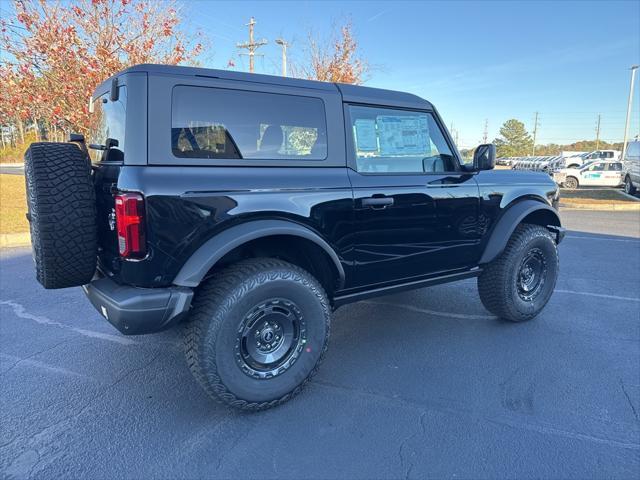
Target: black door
(416,211)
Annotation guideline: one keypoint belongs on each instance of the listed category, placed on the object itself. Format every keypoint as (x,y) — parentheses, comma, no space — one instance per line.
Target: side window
(633,150)
(596,167)
(398,141)
(233,124)
(107,123)
(616,167)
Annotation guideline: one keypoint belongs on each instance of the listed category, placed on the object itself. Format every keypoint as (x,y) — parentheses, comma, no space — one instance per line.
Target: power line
(535,133)
(251,45)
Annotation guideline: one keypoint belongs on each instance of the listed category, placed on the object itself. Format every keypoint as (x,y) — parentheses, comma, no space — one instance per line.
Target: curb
(603,207)
(15,240)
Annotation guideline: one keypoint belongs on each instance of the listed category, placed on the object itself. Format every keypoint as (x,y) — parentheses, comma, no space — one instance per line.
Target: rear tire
(61,206)
(518,284)
(571,183)
(258,332)
(629,188)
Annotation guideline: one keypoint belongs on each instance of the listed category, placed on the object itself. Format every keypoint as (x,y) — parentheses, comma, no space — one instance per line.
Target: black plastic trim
(507,225)
(427,282)
(199,264)
(135,311)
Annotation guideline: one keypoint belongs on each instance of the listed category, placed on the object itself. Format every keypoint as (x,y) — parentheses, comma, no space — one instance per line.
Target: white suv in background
(600,173)
(631,167)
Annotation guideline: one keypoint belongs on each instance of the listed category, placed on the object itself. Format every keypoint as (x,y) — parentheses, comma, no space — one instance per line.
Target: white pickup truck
(576,161)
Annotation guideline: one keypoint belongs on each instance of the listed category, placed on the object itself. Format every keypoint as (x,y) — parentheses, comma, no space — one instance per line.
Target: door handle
(377,202)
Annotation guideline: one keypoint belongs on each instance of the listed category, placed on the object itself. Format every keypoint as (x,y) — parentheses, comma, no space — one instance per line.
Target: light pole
(629,105)
(284,46)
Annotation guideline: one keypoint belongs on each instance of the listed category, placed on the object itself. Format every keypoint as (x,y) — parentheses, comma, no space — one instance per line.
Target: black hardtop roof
(350,93)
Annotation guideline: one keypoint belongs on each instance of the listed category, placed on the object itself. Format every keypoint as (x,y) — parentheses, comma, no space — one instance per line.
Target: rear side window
(398,141)
(633,150)
(107,126)
(235,124)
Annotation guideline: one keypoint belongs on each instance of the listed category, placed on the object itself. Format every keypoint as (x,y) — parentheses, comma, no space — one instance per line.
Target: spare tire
(62,214)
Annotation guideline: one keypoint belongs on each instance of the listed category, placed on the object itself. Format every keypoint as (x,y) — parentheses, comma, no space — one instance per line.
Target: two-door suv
(248,207)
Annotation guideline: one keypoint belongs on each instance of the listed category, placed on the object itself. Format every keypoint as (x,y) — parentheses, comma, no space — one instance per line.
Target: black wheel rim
(531,275)
(270,338)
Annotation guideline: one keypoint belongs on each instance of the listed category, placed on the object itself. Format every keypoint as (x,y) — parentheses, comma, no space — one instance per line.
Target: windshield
(108,122)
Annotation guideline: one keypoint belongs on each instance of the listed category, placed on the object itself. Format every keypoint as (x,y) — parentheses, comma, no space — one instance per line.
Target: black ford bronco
(249,207)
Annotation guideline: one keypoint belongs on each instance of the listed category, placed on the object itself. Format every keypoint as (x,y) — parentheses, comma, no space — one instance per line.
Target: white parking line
(21,312)
(599,295)
(607,239)
(39,365)
(432,312)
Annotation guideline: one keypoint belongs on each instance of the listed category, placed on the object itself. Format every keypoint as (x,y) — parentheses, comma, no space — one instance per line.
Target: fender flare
(206,256)
(507,224)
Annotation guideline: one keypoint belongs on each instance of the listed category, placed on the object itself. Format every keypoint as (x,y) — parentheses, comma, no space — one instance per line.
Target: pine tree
(514,140)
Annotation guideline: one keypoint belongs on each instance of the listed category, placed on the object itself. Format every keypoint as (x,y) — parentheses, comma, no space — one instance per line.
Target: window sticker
(403,135)
(366,137)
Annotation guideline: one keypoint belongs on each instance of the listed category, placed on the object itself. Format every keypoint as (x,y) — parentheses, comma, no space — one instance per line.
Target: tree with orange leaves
(56,53)
(335,61)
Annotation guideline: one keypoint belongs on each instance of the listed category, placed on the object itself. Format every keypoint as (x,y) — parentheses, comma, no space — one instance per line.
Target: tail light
(130,225)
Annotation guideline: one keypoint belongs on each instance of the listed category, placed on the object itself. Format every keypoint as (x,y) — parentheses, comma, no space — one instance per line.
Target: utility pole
(535,134)
(284,46)
(251,45)
(598,133)
(629,105)
(485,135)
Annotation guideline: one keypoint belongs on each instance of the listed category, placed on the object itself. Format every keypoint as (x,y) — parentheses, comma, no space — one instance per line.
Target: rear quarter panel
(185,206)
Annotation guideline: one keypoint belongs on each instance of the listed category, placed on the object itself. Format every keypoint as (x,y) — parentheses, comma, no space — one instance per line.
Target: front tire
(571,183)
(258,332)
(518,284)
(629,188)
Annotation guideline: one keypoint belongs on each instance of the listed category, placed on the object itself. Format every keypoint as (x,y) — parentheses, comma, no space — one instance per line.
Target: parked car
(547,164)
(631,167)
(593,174)
(252,206)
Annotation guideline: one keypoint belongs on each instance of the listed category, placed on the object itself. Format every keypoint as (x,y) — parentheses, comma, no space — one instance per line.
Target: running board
(427,282)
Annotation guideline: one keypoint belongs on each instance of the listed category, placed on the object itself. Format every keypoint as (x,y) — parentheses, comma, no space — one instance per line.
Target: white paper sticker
(366,137)
(403,135)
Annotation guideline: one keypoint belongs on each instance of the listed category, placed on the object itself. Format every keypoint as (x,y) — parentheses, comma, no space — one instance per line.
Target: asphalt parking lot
(415,385)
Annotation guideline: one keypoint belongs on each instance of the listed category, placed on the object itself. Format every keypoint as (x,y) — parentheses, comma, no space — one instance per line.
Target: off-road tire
(629,188)
(498,283)
(571,183)
(61,206)
(218,309)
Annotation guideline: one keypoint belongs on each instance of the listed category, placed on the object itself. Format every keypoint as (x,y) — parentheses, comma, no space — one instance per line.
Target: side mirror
(484,158)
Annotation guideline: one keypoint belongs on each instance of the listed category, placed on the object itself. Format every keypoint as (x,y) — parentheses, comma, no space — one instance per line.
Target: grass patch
(13,204)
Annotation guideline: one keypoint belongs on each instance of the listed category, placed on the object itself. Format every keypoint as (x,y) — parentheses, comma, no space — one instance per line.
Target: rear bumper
(135,311)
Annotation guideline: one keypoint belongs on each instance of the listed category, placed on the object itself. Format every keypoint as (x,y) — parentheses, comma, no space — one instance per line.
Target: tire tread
(218,295)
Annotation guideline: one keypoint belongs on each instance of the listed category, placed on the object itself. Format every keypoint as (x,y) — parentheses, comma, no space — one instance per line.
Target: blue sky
(473,60)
